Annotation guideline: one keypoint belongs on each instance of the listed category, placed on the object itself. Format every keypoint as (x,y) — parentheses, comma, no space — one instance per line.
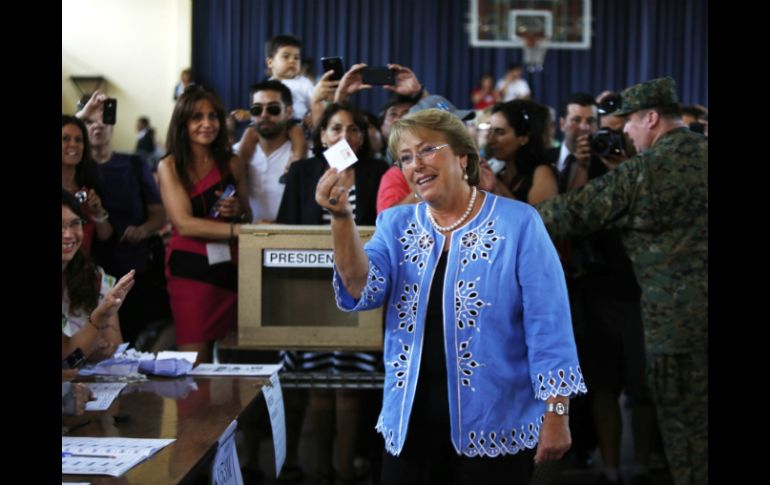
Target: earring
(465,177)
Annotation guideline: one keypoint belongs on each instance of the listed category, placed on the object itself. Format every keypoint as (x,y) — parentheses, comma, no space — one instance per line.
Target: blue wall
(632,41)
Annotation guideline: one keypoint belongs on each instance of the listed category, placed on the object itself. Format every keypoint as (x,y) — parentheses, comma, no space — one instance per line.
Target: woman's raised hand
(333,190)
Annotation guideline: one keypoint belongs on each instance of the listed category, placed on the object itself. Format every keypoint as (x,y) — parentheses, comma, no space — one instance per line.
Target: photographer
(573,161)
(608,144)
(607,296)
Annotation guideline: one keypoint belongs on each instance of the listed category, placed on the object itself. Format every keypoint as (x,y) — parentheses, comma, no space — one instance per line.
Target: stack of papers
(169,364)
(131,361)
(106,456)
(122,363)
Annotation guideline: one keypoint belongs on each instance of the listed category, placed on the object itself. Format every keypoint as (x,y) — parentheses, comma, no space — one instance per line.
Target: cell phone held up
(110,111)
(333,64)
(75,360)
(378,75)
(228,192)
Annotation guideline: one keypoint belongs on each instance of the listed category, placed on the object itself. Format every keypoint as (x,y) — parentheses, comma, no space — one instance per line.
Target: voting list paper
(106,456)
(235,370)
(105,393)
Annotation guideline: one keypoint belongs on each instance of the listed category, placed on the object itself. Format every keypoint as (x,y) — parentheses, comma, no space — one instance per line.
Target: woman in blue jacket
(480,359)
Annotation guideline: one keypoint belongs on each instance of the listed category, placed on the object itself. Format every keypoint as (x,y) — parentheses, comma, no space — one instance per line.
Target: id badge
(218,252)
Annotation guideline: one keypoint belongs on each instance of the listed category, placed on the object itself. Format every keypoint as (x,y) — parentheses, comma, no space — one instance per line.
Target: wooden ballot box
(285,294)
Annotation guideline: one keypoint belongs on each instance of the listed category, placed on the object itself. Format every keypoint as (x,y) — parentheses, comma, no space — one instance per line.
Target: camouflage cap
(649,94)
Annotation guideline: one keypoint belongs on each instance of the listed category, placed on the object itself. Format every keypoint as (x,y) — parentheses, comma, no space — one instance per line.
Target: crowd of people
(525,287)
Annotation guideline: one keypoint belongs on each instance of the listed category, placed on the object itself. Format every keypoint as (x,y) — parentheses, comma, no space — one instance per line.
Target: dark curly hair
(178,139)
(527,118)
(80,276)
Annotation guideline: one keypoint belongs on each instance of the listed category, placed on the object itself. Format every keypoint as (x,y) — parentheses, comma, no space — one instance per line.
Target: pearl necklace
(459,221)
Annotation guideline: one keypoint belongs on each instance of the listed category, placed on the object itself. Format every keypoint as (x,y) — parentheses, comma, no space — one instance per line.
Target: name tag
(218,253)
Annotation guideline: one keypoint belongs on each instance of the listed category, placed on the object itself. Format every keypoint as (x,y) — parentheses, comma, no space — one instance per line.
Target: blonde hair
(444,122)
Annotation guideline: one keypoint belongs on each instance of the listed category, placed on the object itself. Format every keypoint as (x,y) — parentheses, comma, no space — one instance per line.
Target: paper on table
(123,362)
(127,453)
(340,155)
(235,370)
(168,354)
(105,393)
(133,361)
(165,367)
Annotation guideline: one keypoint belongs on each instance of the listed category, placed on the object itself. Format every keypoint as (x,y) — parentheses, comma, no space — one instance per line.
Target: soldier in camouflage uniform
(659,200)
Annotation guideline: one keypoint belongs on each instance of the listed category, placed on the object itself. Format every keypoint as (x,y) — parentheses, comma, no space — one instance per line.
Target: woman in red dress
(201,262)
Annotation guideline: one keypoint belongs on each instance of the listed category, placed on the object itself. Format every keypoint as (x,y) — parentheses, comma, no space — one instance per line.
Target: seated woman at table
(90,298)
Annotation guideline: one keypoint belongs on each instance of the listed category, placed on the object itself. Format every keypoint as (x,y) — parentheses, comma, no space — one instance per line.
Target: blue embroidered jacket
(507,331)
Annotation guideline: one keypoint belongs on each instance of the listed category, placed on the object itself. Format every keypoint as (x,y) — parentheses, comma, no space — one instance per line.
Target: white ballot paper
(106,456)
(340,155)
(105,393)
(226,469)
(274,400)
(235,370)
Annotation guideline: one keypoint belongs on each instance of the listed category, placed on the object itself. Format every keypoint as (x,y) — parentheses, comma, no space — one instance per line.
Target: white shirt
(563,154)
(265,192)
(301,94)
(72,322)
(517,89)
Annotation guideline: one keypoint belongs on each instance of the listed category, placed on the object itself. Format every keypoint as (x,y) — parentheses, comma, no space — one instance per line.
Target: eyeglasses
(75,224)
(272,109)
(424,153)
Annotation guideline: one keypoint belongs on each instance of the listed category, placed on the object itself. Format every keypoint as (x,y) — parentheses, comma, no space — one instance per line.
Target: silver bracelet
(103,218)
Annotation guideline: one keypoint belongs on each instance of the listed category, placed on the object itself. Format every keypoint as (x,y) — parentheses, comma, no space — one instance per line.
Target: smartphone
(228,192)
(75,360)
(333,64)
(378,75)
(109,115)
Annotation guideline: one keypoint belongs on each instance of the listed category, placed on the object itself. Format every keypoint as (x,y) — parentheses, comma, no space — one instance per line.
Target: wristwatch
(559,408)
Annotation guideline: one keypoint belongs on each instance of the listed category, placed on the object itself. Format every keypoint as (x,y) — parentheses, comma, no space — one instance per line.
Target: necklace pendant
(458,222)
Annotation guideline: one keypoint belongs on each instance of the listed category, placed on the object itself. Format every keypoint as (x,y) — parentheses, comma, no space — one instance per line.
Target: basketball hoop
(534,50)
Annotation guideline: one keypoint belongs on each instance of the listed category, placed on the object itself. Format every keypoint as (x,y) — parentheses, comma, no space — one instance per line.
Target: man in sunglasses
(271,110)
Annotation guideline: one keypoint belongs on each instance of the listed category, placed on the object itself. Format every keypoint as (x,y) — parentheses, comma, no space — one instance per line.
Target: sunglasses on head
(272,109)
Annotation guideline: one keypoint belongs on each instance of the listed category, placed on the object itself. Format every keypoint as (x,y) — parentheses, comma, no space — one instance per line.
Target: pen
(65,454)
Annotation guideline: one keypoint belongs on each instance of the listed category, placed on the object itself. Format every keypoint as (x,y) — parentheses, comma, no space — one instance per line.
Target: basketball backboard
(563,24)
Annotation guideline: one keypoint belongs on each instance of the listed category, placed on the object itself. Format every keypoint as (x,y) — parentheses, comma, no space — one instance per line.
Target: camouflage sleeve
(604,202)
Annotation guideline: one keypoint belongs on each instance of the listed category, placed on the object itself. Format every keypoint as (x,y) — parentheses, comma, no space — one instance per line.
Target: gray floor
(561,475)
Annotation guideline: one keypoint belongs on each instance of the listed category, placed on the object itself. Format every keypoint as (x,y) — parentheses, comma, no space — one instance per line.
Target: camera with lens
(81,196)
(606,142)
